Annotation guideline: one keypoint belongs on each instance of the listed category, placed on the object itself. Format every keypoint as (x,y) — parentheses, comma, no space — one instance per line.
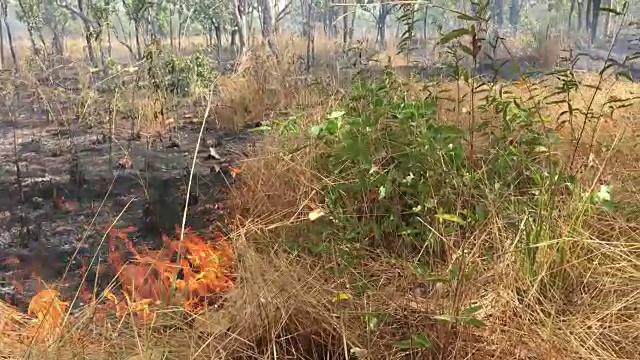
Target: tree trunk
(171,43)
(88,34)
(572,8)
(514,15)
(309,34)
(136,29)
(352,27)
(381,23)
(90,50)
(1,47)
(345,23)
(240,15)
(607,17)
(424,23)
(218,32)
(234,38)
(250,27)
(12,47)
(498,14)
(57,44)
(180,24)
(326,18)
(595,8)
(580,15)
(268,25)
(588,16)
(109,45)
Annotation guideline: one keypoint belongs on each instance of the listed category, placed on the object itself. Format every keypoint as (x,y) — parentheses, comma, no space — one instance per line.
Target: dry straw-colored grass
(593,315)
(283,305)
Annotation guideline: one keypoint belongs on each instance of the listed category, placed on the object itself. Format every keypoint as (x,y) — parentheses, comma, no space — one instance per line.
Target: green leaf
(447,318)
(316,130)
(332,126)
(450,217)
(261,128)
(471,310)
(452,35)
(417,341)
(465,317)
(475,322)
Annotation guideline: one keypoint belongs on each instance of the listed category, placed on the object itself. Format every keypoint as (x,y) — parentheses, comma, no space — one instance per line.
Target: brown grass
(284,306)
(591,316)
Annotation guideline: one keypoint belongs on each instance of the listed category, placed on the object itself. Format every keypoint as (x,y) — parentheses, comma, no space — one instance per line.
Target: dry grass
(284,306)
(594,314)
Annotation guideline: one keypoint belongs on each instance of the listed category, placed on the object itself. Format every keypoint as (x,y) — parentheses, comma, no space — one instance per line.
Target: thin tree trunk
(352,28)
(218,32)
(12,47)
(180,24)
(136,29)
(171,33)
(1,47)
(268,25)
(240,13)
(607,17)
(345,23)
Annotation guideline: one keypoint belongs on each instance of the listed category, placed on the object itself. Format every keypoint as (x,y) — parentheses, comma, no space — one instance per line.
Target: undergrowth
(383,224)
(451,233)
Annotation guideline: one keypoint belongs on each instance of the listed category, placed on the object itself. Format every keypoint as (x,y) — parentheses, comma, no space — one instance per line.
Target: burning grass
(185,272)
(188,273)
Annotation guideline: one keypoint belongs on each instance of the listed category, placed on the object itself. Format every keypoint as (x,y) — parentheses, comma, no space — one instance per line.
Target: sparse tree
(56,20)
(5,13)
(213,20)
(240,10)
(90,26)
(268,25)
(137,11)
(380,10)
(30,13)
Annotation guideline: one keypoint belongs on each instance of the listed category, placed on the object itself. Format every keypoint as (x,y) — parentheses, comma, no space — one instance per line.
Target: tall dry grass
(592,315)
(289,304)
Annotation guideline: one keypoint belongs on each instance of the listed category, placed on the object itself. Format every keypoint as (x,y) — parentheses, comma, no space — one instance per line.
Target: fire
(188,273)
(184,273)
(49,312)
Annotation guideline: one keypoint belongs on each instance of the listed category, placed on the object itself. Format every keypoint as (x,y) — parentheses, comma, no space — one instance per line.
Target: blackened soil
(71,188)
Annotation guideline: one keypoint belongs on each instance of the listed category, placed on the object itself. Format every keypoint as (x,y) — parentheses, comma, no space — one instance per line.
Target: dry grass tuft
(586,309)
(262,86)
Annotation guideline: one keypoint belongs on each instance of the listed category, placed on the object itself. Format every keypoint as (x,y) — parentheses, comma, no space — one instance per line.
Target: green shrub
(178,74)
(401,178)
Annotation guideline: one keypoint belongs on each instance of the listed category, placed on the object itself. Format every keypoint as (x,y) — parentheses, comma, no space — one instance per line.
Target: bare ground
(72,185)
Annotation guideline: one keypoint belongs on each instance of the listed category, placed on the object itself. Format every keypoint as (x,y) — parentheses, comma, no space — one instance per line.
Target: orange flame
(50,313)
(183,273)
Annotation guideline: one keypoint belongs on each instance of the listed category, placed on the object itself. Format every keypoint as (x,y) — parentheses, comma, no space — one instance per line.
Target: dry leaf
(233,171)
(358,352)
(341,297)
(316,214)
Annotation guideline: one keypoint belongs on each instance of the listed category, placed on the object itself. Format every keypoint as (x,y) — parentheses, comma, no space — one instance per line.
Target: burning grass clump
(186,272)
(189,274)
(275,305)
